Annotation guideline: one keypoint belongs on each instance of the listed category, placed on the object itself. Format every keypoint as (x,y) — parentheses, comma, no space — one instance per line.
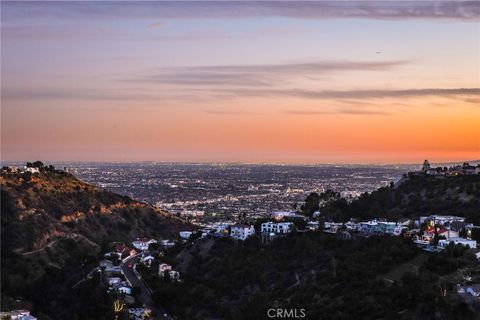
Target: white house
(441,220)
(17,315)
(351,225)
(385,227)
(122,287)
(279,215)
(398,230)
(278,228)
(113,280)
(465,242)
(113,269)
(142,244)
(174,275)
(32,170)
(139,313)
(368,226)
(185,234)
(404,222)
(163,267)
(147,260)
(473,290)
(167,243)
(332,227)
(241,231)
(105,263)
(313,225)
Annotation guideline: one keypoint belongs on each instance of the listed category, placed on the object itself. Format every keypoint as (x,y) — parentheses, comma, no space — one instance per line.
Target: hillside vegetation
(412,196)
(54,230)
(38,208)
(327,277)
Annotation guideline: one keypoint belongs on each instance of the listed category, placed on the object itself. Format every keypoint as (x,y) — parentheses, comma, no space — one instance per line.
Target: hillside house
(147,260)
(332,227)
(113,280)
(142,244)
(167,243)
(465,242)
(385,227)
(185,235)
(313,225)
(174,275)
(139,313)
(17,315)
(105,263)
(277,228)
(122,287)
(241,231)
(404,222)
(162,268)
(440,220)
(398,230)
(368,226)
(280,215)
(448,234)
(473,290)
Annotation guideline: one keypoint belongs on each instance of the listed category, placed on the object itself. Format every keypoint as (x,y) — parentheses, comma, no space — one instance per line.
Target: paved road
(132,278)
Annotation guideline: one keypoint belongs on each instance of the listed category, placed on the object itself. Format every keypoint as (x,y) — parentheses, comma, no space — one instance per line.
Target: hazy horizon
(220,163)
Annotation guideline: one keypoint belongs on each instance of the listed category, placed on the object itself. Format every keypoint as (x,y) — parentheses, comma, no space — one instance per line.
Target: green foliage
(242,280)
(452,258)
(36,164)
(475,234)
(311,204)
(416,195)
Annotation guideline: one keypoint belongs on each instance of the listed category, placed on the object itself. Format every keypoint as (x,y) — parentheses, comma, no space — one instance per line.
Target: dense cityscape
(219,192)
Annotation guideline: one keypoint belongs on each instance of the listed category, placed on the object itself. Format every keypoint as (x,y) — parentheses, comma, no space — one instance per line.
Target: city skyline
(270,82)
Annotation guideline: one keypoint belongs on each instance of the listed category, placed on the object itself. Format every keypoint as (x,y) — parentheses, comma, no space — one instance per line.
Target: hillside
(327,277)
(39,208)
(54,230)
(412,196)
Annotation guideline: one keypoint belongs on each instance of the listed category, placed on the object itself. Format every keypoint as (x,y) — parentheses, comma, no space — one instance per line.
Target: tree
(312,204)
(136,291)
(36,164)
(475,234)
(153,246)
(435,235)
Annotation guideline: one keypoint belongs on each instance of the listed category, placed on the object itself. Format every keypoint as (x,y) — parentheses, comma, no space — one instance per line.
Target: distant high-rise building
(426,166)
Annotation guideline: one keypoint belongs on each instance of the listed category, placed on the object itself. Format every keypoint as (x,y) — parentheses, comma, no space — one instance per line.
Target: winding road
(133,278)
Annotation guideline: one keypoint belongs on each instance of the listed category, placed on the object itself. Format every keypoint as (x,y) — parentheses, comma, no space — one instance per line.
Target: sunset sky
(317,82)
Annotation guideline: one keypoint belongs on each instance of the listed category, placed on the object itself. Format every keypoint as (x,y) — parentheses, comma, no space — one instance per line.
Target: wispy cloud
(359,94)
(156,25)
(359,98)
(259,75)
(71,94)
(358,111)
(226,112)
(451,10)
